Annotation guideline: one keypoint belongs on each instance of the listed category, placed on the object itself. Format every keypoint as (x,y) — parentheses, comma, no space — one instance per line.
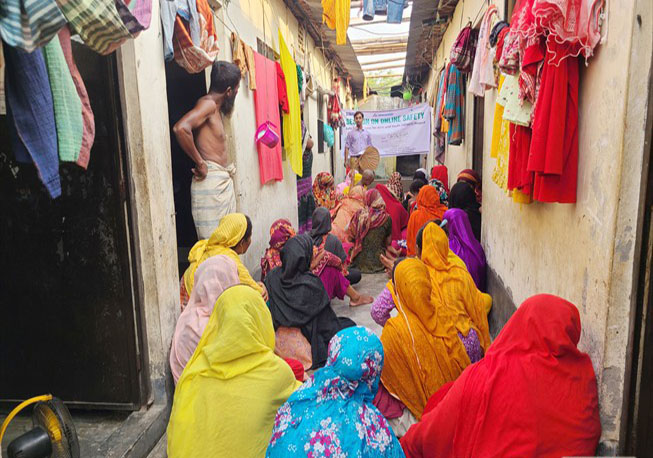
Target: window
(265,50)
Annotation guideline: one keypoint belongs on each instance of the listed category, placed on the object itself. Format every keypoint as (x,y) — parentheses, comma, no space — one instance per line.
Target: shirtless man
(201,135)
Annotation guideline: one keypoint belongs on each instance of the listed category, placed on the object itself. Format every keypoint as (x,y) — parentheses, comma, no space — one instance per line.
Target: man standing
(201,135)
(356,142)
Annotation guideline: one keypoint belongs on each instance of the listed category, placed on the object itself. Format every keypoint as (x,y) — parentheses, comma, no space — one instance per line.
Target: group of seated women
(433,378)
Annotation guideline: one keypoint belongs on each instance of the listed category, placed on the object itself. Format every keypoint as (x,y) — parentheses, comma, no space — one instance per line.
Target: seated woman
(342,214)
(298,298)
(464,244)
(227,397)
(232,237)
(411,196)
(332,414)
(472,178)
(533,395)
(441,173)
(395,186)
(370,231)
(396,211)
(215,275)
(324,191)
(464,197)
(428,208)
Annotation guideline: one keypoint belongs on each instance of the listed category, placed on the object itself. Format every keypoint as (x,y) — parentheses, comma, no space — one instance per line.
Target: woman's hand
(265,291)
(317,258)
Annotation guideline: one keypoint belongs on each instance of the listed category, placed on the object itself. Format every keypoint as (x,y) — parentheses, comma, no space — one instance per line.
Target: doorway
(70,313)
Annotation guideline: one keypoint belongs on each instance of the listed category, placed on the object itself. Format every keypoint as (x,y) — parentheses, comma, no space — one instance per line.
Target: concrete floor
(371,284)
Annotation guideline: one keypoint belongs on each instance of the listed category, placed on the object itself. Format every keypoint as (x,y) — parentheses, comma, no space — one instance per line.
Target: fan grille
(54,417)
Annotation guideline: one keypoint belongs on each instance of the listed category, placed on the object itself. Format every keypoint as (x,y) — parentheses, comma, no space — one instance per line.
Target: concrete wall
(582,252)
(264,204)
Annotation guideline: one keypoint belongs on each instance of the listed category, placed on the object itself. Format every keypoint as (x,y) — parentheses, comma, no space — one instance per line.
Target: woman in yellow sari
(441,326)
(228,395)
(232,237)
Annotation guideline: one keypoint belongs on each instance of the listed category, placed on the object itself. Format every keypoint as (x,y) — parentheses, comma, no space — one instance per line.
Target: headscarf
(320,234)
(428,209)
(233,365)
(280,232)
(229,232)
(344,212)
(453,293)
(396,211)
(462,196)
(441,173)
(332,413)
(464,244)
(213,277)
(423,349)
(534,394)
(395,186)
(442,191)
(420,174)
(298,298)
(474,179)
(370,217)
(324,190)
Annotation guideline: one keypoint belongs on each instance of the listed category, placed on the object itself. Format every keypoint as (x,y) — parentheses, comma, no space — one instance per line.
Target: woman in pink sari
(344,212)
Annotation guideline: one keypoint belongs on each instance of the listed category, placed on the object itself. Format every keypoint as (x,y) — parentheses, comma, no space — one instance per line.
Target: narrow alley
(343,228)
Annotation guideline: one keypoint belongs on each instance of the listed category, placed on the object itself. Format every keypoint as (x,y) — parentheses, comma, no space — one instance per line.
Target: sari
(332,413)
(298,298)
(228,395)
(534,394)
(423,349)
(324,191)
(441,173)
(396,211)
(342,214)
(463,243)
(370,217)
(472,178)
(429,208)
(395,186)
(229,232)
(463,196)
(280,232)
(213,277)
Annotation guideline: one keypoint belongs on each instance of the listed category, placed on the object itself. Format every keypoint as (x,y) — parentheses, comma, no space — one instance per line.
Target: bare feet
(362,299)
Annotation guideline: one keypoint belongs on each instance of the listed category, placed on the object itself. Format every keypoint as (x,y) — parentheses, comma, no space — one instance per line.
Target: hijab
(472,178)
(324,190)
(332,413)
(344,212)
(395,186)
(428,209)
(214,276)
(441,173)
(464,244)
(234,366)
(534,394)
(462,196)
(423,349)
(280,232)
(396,211)
(226,236)
(368,218)
(442,191)
(320,234)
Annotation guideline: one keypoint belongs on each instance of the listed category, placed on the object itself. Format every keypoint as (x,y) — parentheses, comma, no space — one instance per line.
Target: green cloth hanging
(67,105)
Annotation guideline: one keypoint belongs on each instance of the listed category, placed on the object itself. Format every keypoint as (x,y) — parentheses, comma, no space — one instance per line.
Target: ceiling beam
(377,69)
(361,23)
(384,61)
(379,49)
(379,41)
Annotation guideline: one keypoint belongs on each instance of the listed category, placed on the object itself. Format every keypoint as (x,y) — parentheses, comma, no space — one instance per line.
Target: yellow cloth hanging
(227,397)
(336,16)
(500,147)
(292,121)
(229,232)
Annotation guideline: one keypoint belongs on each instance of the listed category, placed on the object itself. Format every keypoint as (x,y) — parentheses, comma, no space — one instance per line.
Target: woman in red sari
(533,395)
(396,211)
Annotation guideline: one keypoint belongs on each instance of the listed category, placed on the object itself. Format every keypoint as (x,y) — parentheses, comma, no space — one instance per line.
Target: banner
(398,132)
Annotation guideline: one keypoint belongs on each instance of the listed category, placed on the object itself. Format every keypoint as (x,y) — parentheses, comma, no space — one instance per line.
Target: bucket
(266,134)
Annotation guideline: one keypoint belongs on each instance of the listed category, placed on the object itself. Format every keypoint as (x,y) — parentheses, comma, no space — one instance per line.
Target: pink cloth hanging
(266,105)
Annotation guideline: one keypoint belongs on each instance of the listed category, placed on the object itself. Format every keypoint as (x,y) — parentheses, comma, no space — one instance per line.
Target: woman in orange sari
(344,212)
(429,208)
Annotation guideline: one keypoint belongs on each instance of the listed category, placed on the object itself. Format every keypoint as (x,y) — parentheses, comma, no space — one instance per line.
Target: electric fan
(53,435)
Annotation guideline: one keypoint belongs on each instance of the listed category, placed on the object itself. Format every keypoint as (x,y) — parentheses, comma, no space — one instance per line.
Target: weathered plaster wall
(264,204)
(142,80)
(582,252)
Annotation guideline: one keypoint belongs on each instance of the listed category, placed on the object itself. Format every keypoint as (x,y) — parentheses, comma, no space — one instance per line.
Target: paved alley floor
(371,284)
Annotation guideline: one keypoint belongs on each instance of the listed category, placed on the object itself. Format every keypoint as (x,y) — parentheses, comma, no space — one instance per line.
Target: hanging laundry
(87,113)
(66,102)
(496,30)
(455,105)
(395,11)
(336,16)
(190,54)
(168,12)
(243,56)
(30,115)
(135,14)
(482,77)
(282,91)
(29,24)
(440,136)
(464,49)
(500,147)
(266,106)
(292,121)
(515,110)
(97,22)
(518,175)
